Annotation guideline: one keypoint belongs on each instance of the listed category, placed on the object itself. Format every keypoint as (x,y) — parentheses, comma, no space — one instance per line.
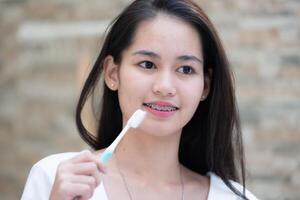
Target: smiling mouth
(162,108)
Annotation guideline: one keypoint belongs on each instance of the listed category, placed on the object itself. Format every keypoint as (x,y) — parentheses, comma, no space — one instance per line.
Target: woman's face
(162,73)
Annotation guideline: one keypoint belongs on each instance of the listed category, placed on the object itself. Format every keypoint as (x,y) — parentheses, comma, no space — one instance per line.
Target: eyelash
(140,64)
(192,71)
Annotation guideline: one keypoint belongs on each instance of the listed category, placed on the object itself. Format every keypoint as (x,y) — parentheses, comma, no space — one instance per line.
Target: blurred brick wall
(47,46)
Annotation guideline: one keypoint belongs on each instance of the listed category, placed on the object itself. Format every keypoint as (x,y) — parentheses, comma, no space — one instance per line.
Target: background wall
(47,46)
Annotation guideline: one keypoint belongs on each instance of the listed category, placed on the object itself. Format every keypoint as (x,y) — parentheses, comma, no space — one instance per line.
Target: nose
(164,85)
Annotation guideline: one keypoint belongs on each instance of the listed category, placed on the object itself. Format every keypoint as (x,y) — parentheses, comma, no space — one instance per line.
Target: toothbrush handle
(106,156)
(118,139)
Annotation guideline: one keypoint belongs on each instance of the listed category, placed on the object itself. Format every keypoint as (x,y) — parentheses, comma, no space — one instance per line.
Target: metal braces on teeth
(161,108)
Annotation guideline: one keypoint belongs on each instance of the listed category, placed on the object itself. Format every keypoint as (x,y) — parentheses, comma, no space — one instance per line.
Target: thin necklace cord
(127,187)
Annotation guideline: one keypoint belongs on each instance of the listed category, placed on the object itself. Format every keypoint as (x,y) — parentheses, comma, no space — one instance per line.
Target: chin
(159,131)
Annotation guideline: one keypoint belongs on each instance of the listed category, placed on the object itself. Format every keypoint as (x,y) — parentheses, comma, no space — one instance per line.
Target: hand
(77,178)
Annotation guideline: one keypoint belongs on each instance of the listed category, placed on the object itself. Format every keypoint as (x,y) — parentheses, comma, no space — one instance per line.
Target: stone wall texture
(47,46)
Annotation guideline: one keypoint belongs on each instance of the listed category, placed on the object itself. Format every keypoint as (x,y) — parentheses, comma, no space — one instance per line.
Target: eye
(146,65)
(186,70)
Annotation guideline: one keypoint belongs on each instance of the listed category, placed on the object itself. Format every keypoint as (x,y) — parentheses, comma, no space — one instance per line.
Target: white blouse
(42,175)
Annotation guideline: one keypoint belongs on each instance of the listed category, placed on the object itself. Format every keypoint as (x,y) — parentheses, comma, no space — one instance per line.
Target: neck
(148,157)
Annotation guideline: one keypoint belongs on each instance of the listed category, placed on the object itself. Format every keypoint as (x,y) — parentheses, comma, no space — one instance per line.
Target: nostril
(163,81)
(172,92)
(164,90)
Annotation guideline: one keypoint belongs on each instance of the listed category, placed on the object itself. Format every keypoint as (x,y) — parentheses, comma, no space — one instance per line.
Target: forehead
(167,34)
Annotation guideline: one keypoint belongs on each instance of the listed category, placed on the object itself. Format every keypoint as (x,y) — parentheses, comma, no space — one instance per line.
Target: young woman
(162,56)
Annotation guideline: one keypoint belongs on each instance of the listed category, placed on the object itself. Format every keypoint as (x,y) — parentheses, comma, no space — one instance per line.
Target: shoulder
(196,185)
(48,165)
(51,162)
(219,190)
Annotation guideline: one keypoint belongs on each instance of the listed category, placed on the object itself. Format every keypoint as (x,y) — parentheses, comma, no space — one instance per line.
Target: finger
(89,169)
(87,156)
(82,179)
(100,165)
(84,156)
(79,191)
(86,168)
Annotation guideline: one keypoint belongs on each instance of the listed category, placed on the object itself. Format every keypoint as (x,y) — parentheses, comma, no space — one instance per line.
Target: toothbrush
(134,121)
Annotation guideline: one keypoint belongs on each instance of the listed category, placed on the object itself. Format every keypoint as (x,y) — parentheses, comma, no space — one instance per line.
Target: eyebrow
(155,55)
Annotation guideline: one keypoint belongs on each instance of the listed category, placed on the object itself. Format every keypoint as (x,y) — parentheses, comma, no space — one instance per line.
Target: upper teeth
(161,108)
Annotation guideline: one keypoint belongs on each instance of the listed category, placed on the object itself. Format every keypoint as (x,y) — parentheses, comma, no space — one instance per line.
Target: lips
(161,109)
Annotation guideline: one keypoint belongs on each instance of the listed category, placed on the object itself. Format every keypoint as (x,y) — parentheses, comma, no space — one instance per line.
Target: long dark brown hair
(211,141)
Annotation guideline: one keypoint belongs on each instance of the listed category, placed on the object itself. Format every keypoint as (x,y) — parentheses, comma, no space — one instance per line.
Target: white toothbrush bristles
(136,118)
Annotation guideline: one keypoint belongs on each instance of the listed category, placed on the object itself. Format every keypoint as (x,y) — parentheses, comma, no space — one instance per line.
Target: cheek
(132,83)
(192,92)
(191,98)
(131,89)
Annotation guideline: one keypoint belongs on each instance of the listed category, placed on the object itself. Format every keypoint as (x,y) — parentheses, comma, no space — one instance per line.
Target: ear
(207,82)
(111,73)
